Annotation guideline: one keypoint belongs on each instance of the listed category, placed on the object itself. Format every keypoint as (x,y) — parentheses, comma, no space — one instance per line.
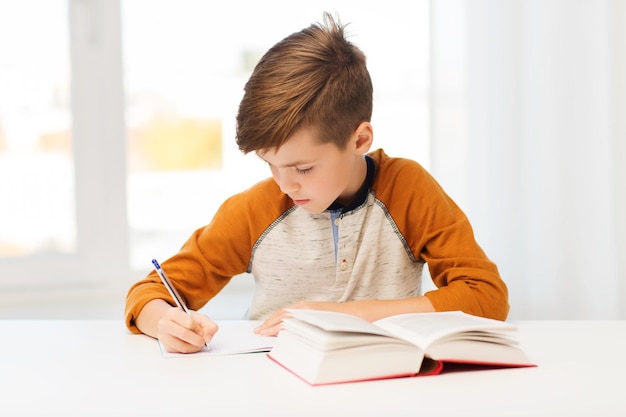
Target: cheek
(341,175)
(332,183)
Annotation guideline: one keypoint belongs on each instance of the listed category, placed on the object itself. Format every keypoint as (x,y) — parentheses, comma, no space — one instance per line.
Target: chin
(313,210)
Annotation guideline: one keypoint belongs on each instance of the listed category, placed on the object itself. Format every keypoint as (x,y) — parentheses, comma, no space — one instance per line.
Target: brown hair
(314,78)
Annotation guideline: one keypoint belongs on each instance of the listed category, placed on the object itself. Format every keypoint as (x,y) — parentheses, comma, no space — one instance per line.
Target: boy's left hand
(273,324)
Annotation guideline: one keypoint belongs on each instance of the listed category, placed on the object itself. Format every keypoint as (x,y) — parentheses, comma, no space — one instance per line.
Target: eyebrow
(292,164)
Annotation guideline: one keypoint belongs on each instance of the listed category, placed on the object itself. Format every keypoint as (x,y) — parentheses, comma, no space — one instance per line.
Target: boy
(336,228)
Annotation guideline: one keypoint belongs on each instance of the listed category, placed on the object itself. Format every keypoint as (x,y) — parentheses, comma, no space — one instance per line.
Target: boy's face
(314,174)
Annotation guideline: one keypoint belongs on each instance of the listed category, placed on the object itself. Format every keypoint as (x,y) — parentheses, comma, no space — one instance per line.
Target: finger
(269,322)
(273,324)
(194,322)
(178,316)
(206,327)
(180,337)
(180,332)
(176,345)
(271,331)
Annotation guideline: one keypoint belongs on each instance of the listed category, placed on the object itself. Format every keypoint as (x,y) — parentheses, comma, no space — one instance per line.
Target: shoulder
(393,173)
(262,192)
(260,204)
(404,186)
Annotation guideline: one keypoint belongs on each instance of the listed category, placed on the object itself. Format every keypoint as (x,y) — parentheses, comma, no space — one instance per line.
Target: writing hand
(180,332)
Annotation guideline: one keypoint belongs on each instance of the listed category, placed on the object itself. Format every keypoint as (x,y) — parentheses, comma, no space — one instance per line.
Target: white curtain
(529,136)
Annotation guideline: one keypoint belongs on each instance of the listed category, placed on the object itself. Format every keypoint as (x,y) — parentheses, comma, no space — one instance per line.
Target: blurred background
(117,137)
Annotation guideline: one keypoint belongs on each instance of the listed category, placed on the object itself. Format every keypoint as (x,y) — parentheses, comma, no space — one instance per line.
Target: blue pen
(170,288)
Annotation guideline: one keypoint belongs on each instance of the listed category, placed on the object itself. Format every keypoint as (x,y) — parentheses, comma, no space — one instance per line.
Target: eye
(303,171)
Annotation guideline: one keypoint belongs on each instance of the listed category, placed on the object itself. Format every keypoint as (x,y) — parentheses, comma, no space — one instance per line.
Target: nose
(287,183)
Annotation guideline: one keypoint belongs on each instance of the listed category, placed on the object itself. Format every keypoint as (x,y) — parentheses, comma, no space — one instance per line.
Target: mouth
(300,202)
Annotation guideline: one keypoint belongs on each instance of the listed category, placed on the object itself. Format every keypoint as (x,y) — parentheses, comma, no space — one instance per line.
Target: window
(63,160)
(145,153)
(36,173)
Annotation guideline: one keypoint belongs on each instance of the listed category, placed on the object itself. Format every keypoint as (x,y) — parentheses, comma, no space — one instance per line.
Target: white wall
(536,89)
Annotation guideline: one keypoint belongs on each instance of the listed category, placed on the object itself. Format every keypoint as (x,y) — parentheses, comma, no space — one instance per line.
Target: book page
(337,322)
(324,340)
(423,329)
(233,337)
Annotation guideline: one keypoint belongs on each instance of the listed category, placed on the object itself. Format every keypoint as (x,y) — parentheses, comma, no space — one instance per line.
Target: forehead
(301,148)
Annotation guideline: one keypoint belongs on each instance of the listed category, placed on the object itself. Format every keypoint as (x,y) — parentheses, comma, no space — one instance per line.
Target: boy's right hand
(180,332)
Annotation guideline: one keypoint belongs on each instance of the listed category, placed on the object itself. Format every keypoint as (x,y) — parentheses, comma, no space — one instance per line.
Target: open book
(324,347)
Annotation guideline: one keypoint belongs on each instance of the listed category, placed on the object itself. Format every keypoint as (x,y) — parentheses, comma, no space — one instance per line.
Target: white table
(97,368)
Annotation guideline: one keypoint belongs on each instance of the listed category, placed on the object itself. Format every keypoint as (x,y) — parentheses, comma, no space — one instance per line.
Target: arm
(149,306)
(370,310)
(440,234)
(204,265)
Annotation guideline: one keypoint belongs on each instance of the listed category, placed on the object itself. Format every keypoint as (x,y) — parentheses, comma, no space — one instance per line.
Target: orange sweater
(375,250)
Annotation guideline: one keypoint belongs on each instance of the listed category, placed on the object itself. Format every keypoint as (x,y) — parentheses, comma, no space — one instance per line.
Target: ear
(363,138)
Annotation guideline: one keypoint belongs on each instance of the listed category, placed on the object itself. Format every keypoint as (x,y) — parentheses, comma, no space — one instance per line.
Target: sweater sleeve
(213,254)
(439,233)
(466,279)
